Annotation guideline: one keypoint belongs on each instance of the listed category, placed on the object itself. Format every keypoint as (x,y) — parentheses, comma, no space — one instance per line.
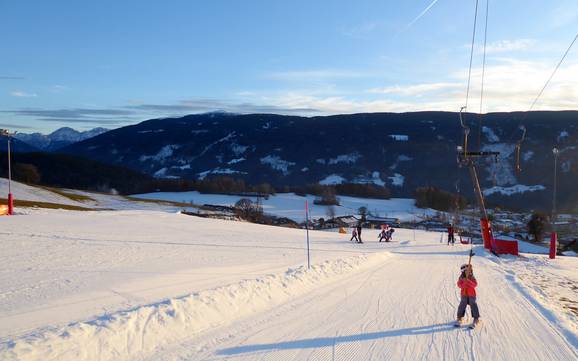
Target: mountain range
(401,151)
(57,139)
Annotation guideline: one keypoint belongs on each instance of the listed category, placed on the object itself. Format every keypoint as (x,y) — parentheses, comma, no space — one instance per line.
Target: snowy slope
(25,192)
(62,266)
(29,193)
(293,206)
(141,285)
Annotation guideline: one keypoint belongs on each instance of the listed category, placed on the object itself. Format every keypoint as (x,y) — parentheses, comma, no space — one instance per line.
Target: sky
(105,63)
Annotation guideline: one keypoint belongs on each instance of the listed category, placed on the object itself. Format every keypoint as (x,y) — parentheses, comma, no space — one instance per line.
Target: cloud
(205,105)
(22,94)
(14,126)
(118,121)
(503,46)
(71,113)
(77,115)
(4,77)
(414,90)
(511,85)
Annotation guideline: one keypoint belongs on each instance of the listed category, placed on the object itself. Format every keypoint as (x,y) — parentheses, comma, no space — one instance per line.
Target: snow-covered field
(293,206)
(158,285)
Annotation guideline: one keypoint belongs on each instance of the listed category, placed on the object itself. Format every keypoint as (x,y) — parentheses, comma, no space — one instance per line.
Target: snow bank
(120,336)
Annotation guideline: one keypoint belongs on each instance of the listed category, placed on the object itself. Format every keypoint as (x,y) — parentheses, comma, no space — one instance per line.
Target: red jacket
(468,286)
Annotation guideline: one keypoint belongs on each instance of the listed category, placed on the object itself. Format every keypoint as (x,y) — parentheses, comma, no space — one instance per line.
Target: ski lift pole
(307,229)
(8,135)
(554,235)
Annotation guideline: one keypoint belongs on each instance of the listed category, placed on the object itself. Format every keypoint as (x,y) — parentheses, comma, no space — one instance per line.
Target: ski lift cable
(471,56)
(483,75)
(465,128)
(553,73)
(521,127)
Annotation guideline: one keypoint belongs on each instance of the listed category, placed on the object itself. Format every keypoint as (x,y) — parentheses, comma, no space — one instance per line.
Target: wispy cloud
(414,90)
(419,16)
(76,115)
(14,126)
(5,77)
(22,94)
(505,46)
(511,85)
(203,105)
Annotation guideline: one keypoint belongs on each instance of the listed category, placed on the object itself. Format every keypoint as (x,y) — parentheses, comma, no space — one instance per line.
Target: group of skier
(384,236)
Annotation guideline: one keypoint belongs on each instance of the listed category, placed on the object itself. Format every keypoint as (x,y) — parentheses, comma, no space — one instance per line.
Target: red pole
(486,233)
(10,198)
(553,241)
(10,204)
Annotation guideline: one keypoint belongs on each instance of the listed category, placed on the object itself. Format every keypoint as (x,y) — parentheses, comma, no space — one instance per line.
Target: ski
(474,325)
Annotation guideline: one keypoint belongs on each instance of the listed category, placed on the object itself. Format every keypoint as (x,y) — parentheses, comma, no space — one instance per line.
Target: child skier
(354,236)
(451,237)
(359,233)
(468,283)
(382,235)
(389,234)
(386,233)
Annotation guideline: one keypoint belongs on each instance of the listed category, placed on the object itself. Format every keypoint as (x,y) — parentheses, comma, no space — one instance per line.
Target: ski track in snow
(161,286)
(359,317)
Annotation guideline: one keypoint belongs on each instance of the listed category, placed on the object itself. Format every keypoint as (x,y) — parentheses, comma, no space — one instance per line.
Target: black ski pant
(468,300)
(354,238)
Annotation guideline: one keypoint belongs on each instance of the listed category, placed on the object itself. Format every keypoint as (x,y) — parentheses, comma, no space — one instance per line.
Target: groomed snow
(141,285)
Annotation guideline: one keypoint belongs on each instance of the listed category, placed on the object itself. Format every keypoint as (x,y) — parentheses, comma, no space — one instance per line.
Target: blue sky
(113,63)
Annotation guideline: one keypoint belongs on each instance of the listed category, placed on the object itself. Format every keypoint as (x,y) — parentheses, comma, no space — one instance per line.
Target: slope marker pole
(307,229)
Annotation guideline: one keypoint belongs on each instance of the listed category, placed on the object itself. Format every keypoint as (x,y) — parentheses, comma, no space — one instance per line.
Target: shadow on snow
(332,341)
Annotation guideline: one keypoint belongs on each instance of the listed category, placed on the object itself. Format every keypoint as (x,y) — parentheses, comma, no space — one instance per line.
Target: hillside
(68,171)
(400,151)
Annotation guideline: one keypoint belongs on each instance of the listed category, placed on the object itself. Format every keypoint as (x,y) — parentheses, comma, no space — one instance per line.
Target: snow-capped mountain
(400,151)
(58,139)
